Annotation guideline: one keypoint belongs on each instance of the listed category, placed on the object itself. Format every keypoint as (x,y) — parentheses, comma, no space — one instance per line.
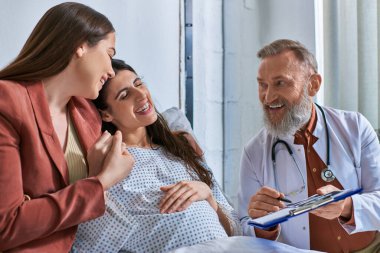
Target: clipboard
(301,207)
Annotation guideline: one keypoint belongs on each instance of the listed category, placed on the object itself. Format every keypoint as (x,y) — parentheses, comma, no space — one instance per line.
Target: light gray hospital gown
(133,223)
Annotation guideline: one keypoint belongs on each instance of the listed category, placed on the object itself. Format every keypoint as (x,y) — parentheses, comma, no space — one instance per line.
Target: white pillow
(177,120)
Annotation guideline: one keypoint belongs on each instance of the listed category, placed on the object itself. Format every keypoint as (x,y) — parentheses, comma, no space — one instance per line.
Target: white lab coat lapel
(266,167)
(341,158)
(320,132)
(286,169)
(289,179)
(342,154)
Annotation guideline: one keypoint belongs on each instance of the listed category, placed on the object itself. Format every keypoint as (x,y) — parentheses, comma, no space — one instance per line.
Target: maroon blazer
(32,163)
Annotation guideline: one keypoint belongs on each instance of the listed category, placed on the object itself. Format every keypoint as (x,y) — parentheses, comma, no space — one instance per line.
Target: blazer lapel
(49,137)
(86,121)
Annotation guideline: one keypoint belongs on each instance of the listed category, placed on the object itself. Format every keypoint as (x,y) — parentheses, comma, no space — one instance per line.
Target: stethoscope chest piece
(327,175)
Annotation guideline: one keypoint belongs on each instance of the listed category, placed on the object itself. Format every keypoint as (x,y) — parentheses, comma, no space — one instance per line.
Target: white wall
(148,37)
(208,81)
(227,35)
(248,26)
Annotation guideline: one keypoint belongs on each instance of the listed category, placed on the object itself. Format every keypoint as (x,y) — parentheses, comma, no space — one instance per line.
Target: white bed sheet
(240,244)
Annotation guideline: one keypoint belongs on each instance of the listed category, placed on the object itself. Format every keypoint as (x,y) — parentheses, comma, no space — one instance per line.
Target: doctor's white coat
(354,157)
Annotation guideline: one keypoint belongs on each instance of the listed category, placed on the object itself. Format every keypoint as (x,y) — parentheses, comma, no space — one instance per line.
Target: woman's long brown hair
(159,133)
(54,40)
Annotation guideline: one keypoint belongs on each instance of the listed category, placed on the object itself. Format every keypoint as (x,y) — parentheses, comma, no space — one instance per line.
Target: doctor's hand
(342,209)
(181,195)
(264,202)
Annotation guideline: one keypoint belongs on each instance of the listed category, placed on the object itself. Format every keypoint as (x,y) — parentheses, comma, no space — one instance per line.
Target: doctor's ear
(314,84)
(105,116)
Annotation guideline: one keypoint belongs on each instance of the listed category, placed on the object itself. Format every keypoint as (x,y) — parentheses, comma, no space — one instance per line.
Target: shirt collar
(308,130)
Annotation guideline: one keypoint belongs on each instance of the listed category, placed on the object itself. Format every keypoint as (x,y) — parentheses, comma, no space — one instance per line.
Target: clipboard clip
(312,205)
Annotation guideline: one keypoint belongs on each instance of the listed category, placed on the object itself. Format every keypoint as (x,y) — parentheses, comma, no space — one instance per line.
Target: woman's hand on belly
(181,195)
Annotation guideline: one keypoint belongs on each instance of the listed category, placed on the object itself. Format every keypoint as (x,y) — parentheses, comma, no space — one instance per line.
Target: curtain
(350,54)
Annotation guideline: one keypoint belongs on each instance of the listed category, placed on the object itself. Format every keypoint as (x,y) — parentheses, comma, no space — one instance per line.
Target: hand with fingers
(340,209)
(181,195)
(109,160)
(265,201)
(98,152)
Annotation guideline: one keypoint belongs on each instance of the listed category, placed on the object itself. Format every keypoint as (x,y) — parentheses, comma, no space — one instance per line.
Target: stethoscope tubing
(328,170)
(273,151)
(327,135)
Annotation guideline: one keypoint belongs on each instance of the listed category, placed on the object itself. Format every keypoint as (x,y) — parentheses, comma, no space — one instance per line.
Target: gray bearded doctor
(306,149)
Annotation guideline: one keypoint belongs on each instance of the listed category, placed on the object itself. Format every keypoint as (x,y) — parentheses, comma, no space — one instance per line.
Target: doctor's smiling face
(285,91)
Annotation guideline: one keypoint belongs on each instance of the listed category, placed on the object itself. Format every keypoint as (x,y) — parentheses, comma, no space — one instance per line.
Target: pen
(284,200)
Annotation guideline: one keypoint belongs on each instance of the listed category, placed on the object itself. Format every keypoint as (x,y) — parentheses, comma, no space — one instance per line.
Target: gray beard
(294,119)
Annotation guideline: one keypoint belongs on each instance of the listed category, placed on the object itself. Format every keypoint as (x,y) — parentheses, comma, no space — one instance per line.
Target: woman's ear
(314,84)
(81,50)
(105,116)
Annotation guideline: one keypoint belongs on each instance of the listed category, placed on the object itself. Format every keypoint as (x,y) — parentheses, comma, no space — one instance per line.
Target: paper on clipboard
(300,207)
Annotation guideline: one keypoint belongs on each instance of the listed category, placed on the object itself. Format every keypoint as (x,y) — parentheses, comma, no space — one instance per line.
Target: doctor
(306,149)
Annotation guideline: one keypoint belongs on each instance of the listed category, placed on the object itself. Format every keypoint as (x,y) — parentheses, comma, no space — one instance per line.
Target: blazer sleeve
(23,220)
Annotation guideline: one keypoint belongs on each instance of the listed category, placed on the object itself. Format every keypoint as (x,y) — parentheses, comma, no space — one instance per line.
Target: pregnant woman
(170,199)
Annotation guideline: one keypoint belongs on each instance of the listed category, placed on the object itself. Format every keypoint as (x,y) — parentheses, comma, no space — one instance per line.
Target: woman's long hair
(159,133)
(54,40)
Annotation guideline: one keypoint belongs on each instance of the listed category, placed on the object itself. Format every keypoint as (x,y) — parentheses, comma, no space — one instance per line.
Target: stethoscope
(327,174)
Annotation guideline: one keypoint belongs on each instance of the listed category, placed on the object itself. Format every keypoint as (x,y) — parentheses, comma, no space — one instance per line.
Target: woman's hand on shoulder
(181,195)
(97,153)
(109,160)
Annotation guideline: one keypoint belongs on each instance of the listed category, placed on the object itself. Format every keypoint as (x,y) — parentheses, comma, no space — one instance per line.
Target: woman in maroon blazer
(44,115)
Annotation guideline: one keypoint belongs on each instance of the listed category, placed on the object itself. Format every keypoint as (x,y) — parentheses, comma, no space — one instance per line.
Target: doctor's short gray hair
(301,52)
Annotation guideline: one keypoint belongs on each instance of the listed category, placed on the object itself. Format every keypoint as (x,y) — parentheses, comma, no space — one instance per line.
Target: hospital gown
(133,222)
